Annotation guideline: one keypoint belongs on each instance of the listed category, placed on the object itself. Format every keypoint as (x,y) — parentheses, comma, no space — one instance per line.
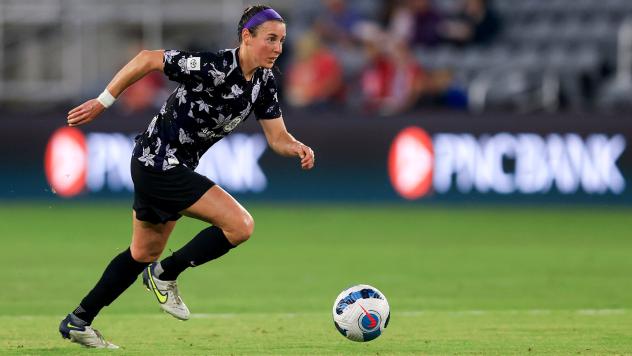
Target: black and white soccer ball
(361,313)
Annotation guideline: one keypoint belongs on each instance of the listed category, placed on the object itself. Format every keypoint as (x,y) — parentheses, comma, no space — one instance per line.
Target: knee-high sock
(207,245)
(117,277)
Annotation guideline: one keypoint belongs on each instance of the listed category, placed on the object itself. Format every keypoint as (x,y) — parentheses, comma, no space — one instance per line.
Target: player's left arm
(284,144)
(141,65)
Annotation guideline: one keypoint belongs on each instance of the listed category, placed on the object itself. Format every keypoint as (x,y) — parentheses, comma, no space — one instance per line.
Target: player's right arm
(141,65)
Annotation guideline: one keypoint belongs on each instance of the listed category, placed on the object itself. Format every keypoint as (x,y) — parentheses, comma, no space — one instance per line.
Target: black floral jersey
(212,99)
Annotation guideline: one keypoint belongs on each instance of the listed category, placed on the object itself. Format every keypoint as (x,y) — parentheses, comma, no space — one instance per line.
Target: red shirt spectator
(393,81)
(315,75)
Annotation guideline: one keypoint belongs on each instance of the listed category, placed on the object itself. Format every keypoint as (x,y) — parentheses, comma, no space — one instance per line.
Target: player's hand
(306,155)
(85,113)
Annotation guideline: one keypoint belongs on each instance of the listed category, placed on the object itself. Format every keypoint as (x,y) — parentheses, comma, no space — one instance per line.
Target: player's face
(268,43)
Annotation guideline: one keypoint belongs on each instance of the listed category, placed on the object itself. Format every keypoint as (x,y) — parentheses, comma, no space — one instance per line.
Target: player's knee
(145,254)
(243,230)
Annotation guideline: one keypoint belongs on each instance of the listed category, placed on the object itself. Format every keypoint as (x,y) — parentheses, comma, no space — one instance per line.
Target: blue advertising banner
(424,157)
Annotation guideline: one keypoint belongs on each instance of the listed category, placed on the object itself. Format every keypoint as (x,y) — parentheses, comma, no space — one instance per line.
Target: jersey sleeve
(267,105)
(190,67)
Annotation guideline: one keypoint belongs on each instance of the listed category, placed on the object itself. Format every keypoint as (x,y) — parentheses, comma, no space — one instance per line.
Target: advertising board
(419,157)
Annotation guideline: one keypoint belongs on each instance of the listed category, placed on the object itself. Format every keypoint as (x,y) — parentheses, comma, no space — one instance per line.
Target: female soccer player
(217,92)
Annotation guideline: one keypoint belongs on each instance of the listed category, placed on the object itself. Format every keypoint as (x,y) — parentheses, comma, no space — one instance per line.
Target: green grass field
(478,280)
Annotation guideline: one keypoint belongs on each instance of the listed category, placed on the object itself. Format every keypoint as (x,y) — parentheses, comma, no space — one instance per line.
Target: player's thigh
(219,208)
(149,240)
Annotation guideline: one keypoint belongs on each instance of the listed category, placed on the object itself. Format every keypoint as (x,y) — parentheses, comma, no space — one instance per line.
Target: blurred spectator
(144,93)
(416,22)
(475,23)
(393,80)
(148,92)
(336,24)
(314,75)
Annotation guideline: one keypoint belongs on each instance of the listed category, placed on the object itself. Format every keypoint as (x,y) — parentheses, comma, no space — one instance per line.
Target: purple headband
(261,17)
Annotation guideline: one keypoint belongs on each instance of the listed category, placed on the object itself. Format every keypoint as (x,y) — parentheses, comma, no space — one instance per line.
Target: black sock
(117,277)
(207,245)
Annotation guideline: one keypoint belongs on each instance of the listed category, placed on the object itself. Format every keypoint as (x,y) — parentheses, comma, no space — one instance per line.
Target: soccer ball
(361,313)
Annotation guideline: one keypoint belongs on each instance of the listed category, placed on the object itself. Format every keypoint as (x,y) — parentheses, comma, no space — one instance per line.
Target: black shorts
(160,196)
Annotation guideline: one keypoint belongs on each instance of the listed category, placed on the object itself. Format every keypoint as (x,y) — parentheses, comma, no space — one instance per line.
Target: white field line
(403,313)
(591,312)
(412,313)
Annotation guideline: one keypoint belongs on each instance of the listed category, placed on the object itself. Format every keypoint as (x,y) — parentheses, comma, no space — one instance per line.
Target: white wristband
(106,99)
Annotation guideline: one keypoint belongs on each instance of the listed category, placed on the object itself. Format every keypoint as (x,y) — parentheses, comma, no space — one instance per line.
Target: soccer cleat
(83,335)
(166,292)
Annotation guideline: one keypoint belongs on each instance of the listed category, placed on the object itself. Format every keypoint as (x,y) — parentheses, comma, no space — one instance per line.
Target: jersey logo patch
(193,63)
